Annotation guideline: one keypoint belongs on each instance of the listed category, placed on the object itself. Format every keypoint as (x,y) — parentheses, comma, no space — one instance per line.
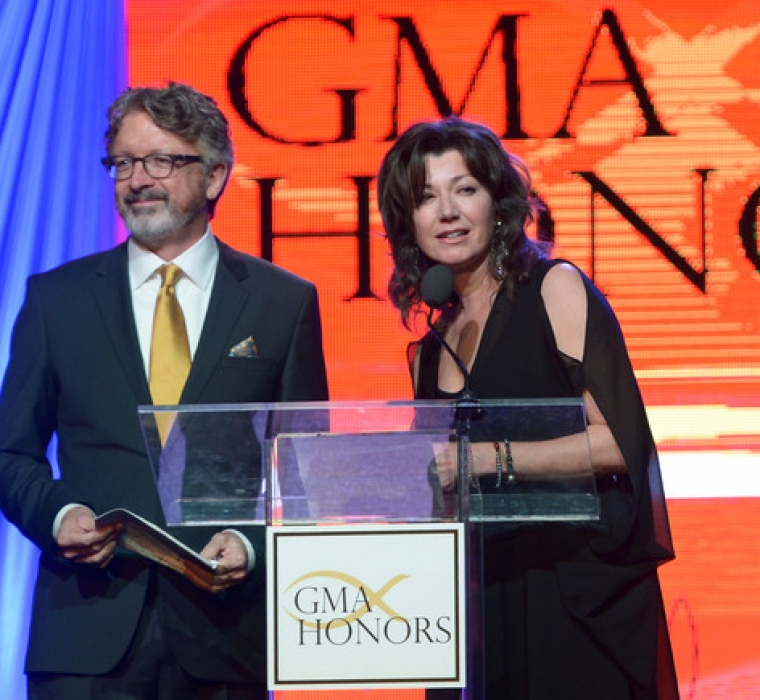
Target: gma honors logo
(335,608)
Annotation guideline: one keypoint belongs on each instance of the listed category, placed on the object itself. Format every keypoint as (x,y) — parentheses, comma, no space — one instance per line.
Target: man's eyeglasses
(157,165)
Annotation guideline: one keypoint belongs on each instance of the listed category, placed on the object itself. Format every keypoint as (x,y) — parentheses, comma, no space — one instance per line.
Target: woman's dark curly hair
(401,185)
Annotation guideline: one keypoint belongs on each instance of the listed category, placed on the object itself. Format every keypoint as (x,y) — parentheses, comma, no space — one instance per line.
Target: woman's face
(454,221)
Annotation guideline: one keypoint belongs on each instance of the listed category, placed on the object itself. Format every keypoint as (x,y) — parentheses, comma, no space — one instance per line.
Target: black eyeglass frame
(178,160)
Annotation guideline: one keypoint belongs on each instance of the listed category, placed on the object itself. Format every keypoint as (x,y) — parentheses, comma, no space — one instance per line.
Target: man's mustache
(145,196)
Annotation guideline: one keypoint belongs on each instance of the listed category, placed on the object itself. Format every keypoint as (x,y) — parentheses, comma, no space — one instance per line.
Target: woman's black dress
(572,611)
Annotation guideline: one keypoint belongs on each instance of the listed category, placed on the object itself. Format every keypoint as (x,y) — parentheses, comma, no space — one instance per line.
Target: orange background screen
(641,125)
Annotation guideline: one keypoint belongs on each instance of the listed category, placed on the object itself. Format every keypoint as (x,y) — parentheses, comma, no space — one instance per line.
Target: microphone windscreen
(437,286)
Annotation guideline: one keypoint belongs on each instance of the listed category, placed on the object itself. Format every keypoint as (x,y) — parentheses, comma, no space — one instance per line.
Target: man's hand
(81,542)
(228,550)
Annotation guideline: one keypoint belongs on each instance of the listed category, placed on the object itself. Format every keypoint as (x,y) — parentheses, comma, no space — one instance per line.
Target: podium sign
(366,606)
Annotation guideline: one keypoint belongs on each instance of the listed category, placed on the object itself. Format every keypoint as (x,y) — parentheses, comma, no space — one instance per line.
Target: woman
(572,611)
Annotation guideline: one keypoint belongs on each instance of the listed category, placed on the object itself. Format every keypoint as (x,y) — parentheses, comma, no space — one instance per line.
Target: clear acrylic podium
(361,479)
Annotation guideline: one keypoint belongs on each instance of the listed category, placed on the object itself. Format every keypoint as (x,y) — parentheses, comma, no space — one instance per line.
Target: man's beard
(150,227)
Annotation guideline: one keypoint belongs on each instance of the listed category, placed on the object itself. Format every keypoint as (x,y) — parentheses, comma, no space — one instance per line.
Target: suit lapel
(228,299)
(110,289)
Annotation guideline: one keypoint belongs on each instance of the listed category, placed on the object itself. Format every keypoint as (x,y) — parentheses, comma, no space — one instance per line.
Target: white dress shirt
(193,289)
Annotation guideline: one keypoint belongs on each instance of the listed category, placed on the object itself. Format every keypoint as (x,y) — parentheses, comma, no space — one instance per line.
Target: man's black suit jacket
(76,371)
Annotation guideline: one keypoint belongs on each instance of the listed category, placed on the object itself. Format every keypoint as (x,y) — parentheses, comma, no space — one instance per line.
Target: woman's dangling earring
(497,246)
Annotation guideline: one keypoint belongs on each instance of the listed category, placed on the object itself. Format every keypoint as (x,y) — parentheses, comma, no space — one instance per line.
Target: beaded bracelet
(511,474)
(499,465)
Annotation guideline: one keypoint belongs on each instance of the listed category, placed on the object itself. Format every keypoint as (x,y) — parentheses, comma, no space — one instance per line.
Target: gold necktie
(169,349)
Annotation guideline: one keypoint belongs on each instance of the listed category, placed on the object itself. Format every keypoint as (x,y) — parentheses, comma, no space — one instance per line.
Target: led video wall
(641,125)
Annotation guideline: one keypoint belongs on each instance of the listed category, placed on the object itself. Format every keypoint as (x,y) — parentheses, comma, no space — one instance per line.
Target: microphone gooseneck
(436,289)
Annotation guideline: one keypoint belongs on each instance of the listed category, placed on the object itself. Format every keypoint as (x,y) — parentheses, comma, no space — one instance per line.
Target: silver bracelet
(499,466)
(511,475)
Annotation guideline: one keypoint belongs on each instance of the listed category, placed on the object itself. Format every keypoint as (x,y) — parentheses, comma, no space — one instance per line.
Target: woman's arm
(565,299)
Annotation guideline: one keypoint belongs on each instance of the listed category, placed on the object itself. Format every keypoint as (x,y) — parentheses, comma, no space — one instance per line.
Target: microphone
(436,289)
(437,286)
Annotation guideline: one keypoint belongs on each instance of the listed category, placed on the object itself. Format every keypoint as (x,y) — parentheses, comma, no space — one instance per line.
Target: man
(105,624)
